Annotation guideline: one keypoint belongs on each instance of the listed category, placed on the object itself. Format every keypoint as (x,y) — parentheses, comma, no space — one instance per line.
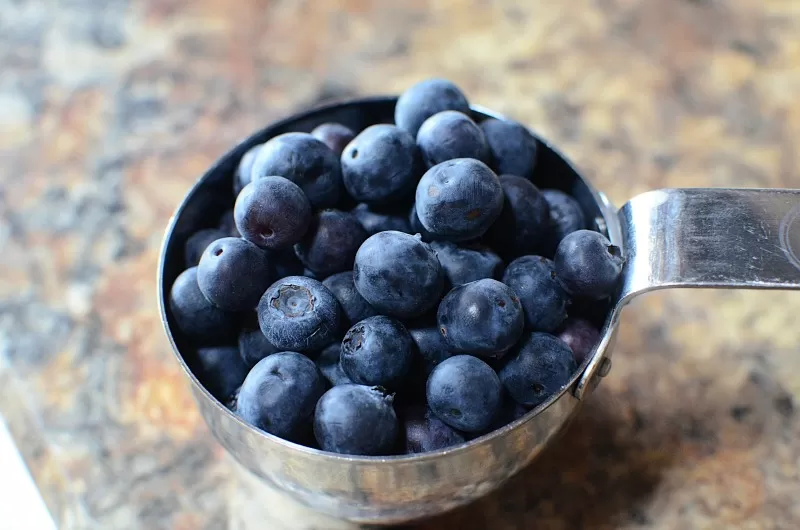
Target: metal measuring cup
(731,238)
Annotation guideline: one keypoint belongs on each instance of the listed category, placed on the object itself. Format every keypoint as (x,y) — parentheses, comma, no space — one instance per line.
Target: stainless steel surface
(701,238)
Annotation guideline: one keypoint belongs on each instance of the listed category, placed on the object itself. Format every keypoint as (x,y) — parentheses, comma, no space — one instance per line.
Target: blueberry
(464,392)
(280,393)
(227,224)
(355,420)
(508,412)
(588,264)
(305,161)
(378,220)
(467,264)
(459,199)
(272,212)
(481,318)
(331,243)
(353,305)
(286,263)
(398,274)
(253,345)
(424,99)
(197,243)
(432,347)
(581,337)
(424,431)
(566,216)
(382,164)
(299,314)
(335,135)
(234,273)
(195,316)
(328,364)
(417,228)
(377,351)
(451,134)
(242,176)
(524,223)
(544,300)
(539,367)
(513,147)
(221,370)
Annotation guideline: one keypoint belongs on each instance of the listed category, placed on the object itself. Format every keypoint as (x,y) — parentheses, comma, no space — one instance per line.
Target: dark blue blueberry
(588,265)
(221,370)
(426,98)
(356,420)
(331,243)
(352,303)
(253,345)
(417,228)
(566,216)
(234,273)
(272,212)
(286,263)
(227,224)
(451,134)
(544,300)
(508,412)
(377,351)
(481,318)
(432,347)
(242,176)
(305,161)
(398,274)
(459,199)
(299,314)
(195,316)
(381,165)
(425,432)
(524,223)
(379,220)
(513,147)
(581,337)
(539,367)
(328,364)
(464,392)
(197,243)
(467,264)
(335,135)
(280,393)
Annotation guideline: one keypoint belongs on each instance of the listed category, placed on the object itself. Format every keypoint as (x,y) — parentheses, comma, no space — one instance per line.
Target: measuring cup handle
(729,238)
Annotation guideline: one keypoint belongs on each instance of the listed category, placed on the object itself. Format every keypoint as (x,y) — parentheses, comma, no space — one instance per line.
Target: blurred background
(110,110)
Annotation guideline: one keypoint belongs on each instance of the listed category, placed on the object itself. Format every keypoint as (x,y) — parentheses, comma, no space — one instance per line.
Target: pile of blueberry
(396,290)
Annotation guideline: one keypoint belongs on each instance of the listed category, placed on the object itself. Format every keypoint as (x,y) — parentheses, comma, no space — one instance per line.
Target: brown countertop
(110,110)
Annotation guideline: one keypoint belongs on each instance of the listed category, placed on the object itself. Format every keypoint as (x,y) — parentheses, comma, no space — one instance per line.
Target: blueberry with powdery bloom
(377,351)
(356,420)
(280,393)
(424,431)
(242,176)
(198,242)
(432,348)
(220,370)
(376,220)
(566,216)
(381,165)
(304,160)
(544,300)
(353,304)
(195,316)
(272,212)
(331,243)
(328,364)
(233,273)
(426,98)
(451,134)
(463,264)
(335,135)
(588,265)
(398,274)
(299,314)
(459,199)
(253,345)
(581,337)
(513,148)
(524,223)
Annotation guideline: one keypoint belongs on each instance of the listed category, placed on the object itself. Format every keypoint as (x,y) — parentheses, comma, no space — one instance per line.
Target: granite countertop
(110,110)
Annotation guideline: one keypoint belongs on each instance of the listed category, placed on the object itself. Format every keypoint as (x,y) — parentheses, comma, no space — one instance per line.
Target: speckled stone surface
(109,110)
